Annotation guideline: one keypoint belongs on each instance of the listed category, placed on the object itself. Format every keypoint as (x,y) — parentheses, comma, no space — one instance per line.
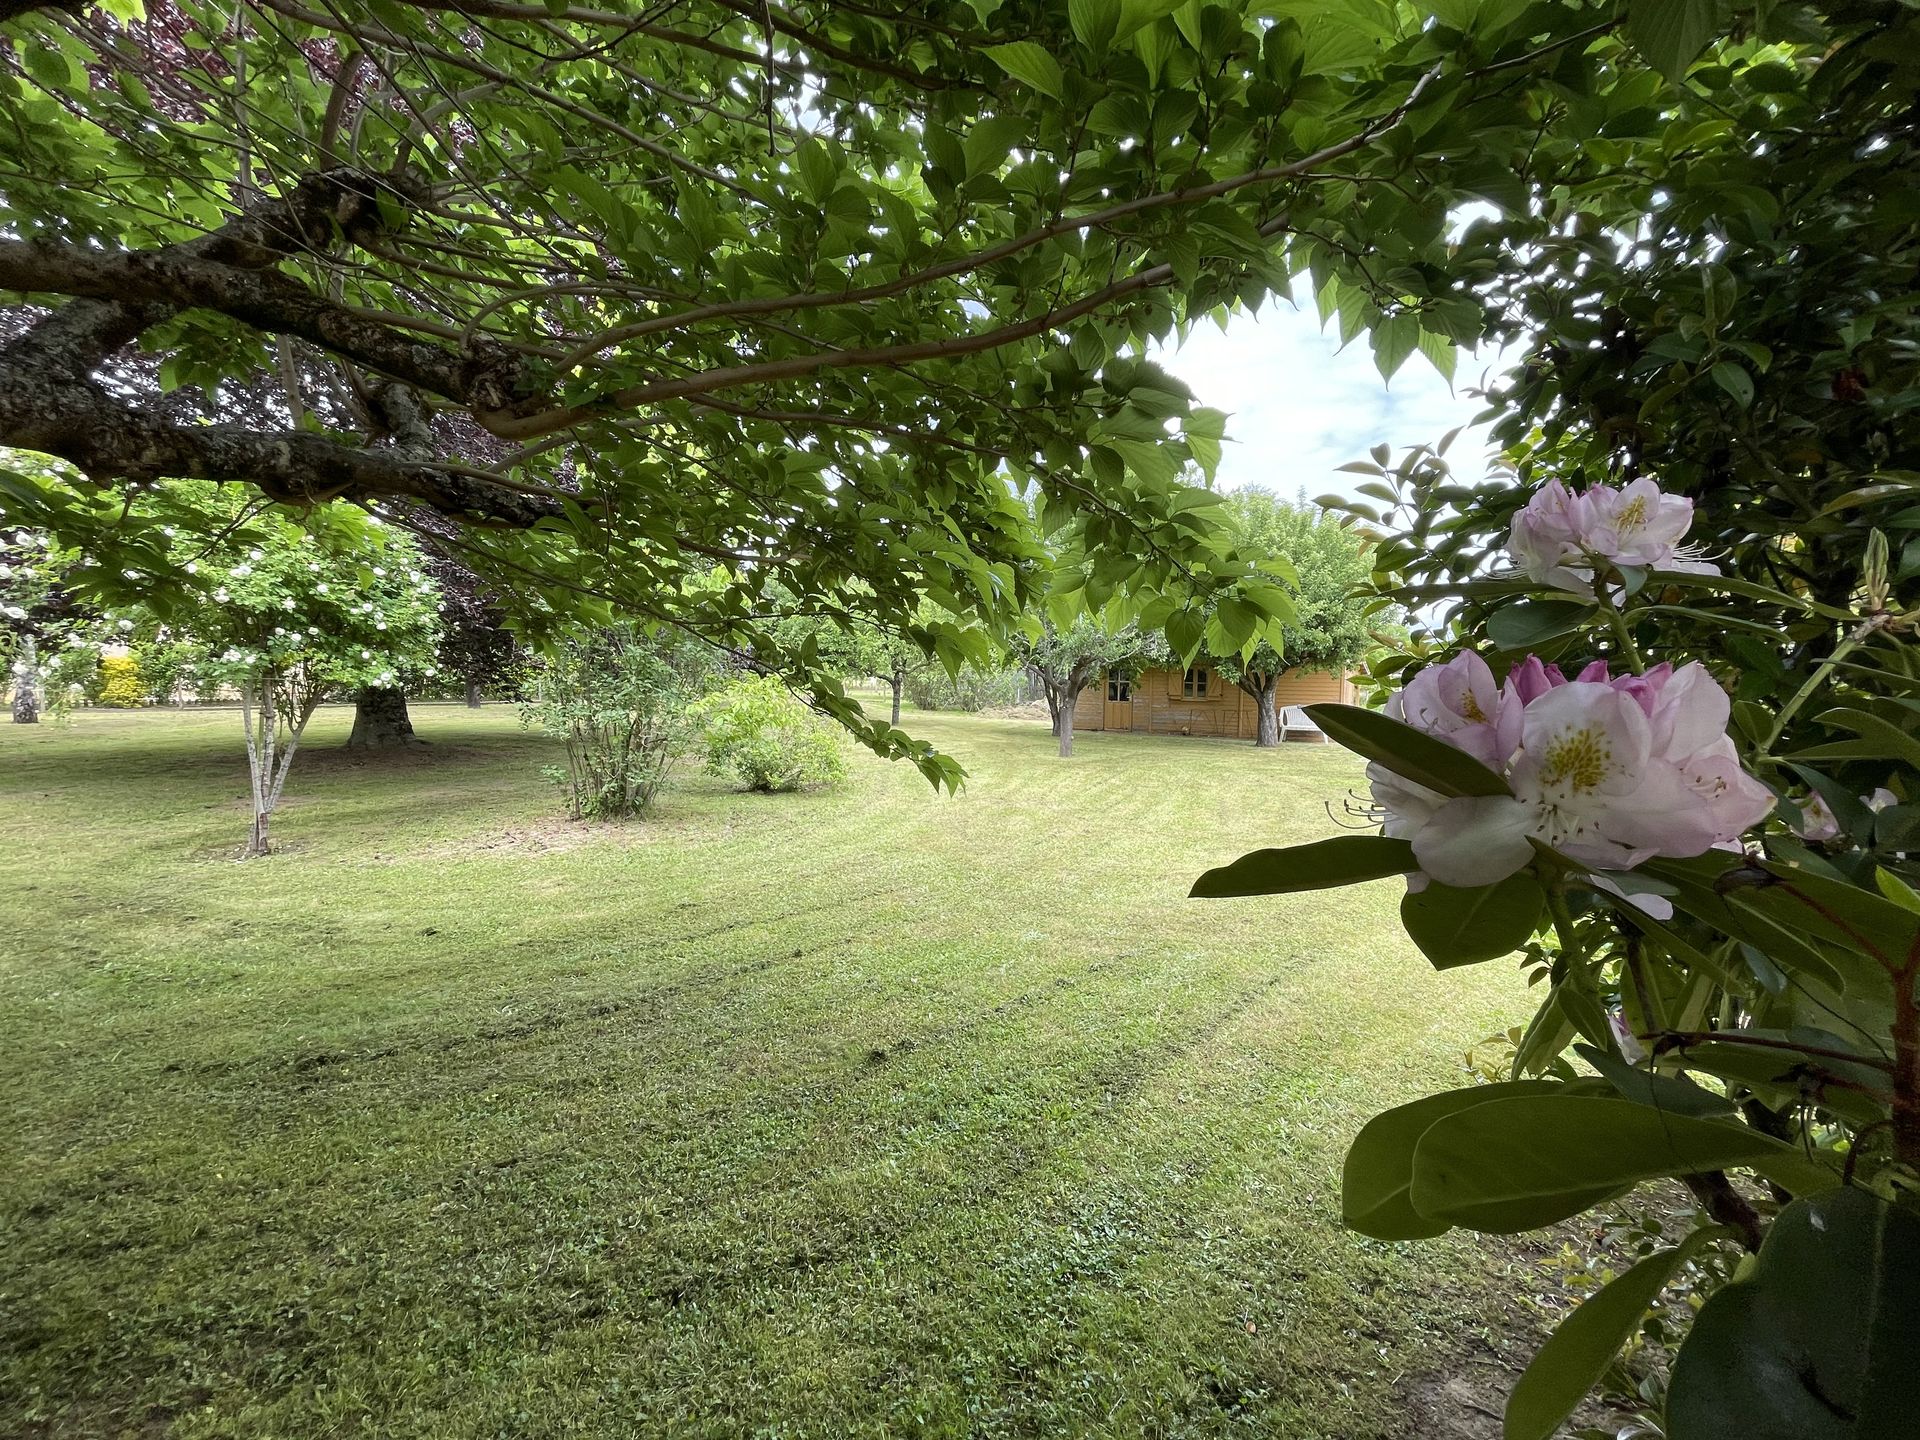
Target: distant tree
(1329,628)
(287,615)
(30,601)
(1065,659)
(476,647)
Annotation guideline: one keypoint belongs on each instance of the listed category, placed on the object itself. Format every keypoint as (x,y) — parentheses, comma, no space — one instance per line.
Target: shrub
(619,698)
(121,687)
(974,690)
(168,668)
(757,732)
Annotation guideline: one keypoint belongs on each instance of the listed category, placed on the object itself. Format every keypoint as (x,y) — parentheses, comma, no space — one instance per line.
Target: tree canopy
(802,289)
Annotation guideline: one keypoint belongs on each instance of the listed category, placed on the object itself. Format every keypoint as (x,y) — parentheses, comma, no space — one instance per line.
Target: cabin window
(1193,685)
(1119,685)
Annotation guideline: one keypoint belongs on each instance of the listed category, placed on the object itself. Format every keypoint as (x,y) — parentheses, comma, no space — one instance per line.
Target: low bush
(759,734)
(620,699)
(974,690)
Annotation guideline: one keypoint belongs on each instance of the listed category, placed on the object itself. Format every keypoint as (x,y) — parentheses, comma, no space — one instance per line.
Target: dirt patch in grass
(532,837)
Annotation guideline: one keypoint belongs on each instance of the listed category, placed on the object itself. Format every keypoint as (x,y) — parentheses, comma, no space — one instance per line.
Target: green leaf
(1518,1164)
(1031,65)
(1343,860)
(1733,378)
(1528,623)
(1670,33)
(1578,1352)
(1888,741)
(1407,752)
(1463,927)
(1378,1175)
(1442,352)
(1394,339)
(1095,22)
(1818,1341)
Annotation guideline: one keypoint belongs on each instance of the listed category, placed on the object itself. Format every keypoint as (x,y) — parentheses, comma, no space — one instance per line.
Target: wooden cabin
(1198,701)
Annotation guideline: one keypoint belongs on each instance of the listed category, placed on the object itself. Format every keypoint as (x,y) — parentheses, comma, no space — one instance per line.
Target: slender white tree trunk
(256,709)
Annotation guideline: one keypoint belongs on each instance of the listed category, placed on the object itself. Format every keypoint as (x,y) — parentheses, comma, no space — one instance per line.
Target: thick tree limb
(148,285)
(313,216)
(71,417)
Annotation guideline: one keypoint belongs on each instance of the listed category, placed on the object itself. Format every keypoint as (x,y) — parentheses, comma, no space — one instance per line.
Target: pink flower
(1816,822)
(1459,702)
(1560,539)
(1631,1050)
(1609,772)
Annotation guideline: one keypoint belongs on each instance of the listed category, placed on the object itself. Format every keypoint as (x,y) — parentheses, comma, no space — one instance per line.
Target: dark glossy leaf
(1675,1095)
(1529,623)
(1378,1174)
(1407,752)
(1517,1164)
(1670,33)
(1463,927)
(1819,1342)
(1584,1344)
(1342,860)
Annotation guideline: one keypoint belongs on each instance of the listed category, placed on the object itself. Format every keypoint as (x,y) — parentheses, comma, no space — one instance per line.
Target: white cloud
(1301,406)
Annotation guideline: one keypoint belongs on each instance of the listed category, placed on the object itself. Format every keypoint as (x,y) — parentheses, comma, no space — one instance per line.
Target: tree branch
(69,416)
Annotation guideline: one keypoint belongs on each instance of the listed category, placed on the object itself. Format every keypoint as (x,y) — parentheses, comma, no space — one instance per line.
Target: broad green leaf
(1342,860)
(1455,927)
(1518,1164)
(1676,1095)
(1819,1341)
(1528,623)
(1409,753)
(1885,740)
(1578,1352)
(1031,65)
(1732,377)
(1378,1175)
(1670,33)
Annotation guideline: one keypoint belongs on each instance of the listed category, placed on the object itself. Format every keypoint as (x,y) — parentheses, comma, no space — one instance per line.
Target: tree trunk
(1052,692)
(899,683)
(257,837)
(473,695)
(1064,725)
(26,683)
(380,720)
(1267,735)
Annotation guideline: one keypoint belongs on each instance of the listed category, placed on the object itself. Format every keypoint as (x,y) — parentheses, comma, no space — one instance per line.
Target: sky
(1300,406)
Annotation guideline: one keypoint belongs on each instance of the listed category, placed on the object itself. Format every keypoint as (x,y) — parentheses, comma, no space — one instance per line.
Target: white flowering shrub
(286,615)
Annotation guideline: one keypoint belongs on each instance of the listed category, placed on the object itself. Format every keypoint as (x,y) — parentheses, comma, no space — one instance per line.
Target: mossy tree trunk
(380,720)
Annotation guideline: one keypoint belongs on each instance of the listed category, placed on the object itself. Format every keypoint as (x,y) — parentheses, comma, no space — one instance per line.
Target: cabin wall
(1228,712)
(1089,711)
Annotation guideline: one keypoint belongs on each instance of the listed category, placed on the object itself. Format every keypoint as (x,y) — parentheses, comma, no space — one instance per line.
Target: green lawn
(843,1114)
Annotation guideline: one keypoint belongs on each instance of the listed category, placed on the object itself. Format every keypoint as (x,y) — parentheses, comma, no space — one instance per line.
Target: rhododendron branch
(1664,1040)
(1855,638)
(1621,630)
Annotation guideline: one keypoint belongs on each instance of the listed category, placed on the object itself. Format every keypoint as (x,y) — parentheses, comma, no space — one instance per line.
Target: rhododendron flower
(1458,701)
(1816,822)
(1631,1050)
(1559,538)
(1608,771)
